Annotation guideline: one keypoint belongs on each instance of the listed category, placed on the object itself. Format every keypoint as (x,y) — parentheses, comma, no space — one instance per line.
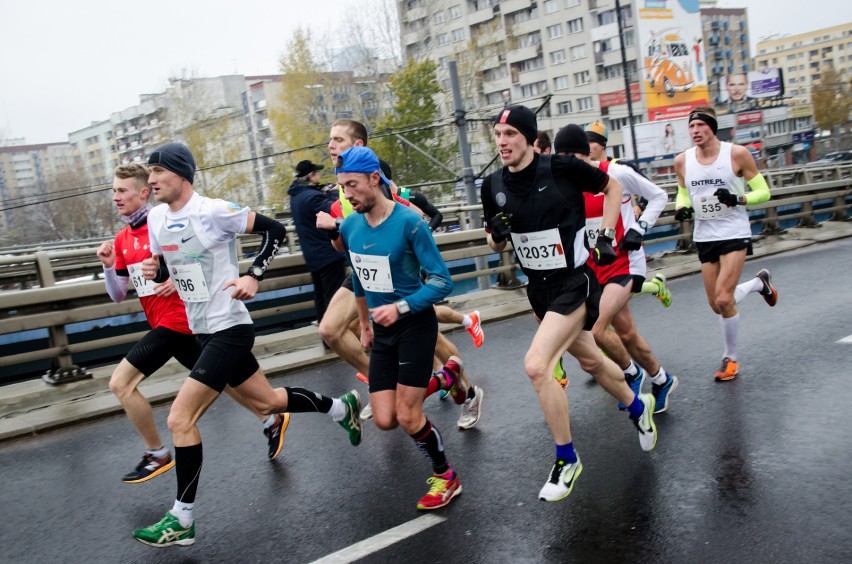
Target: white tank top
(715,221)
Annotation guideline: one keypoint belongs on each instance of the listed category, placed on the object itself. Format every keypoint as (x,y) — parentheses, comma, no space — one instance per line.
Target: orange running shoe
(728,370)
(475,329)
(361,377)
(769,293)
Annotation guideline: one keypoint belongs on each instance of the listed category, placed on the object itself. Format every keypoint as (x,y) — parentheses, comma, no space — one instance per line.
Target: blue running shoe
(661,392)
(635,384)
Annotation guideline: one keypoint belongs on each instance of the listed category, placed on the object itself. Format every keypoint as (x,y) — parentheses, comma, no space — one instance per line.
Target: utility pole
(467,169)
(625,72)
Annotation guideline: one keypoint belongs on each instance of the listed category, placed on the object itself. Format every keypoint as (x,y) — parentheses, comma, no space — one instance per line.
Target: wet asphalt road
(754,470)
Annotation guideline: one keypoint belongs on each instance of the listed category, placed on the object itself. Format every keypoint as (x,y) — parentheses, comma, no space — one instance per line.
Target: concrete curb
(31,408)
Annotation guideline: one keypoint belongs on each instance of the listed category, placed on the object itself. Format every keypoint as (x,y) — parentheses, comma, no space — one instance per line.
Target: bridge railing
(54,305)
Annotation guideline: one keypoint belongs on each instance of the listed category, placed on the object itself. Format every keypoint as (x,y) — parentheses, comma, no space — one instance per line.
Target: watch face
(256,271)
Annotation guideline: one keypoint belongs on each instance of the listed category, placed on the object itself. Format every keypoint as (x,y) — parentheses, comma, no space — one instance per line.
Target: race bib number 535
(709,207)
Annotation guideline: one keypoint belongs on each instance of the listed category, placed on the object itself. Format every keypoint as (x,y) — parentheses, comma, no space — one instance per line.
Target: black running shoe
(275,434)
(149,467)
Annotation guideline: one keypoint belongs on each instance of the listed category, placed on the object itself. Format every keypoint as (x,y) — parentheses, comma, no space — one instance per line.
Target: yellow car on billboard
(668,63)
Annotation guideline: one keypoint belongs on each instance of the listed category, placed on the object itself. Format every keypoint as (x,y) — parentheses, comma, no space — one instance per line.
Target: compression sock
(730,332)
(300,400)
(746,288)
(188,469)
(429,441)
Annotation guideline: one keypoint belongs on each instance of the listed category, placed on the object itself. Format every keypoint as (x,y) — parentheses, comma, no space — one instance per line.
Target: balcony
(480,16)
(523,53)
(510,6)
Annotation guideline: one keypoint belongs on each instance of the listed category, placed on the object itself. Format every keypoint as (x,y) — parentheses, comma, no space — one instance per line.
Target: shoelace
(439,485)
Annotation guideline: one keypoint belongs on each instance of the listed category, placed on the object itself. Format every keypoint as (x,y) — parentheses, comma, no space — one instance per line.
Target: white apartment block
(94,149)
(801,57)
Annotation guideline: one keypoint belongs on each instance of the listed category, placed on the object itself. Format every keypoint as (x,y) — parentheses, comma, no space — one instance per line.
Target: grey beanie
(175,157)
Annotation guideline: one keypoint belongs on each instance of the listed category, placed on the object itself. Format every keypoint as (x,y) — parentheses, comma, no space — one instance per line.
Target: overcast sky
(66,64)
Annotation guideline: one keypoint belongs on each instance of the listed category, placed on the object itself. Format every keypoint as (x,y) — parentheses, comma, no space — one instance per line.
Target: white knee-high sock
(730,333)
(746,288)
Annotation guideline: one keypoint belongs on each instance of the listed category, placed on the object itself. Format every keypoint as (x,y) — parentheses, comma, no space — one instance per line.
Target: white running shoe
(645,424)
(367,413)
(471,410)
(561,481)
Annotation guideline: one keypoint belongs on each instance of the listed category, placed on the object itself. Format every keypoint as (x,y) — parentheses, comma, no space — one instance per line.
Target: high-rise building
(94,148)
(726,44)
(520,51)
(801,57)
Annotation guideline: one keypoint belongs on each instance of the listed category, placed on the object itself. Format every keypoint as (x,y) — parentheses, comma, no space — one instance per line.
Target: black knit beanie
(175,157)
(521,118)
(571,139)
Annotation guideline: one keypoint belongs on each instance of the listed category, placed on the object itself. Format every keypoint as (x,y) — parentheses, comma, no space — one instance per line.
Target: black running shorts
(403,352)
(152,351)
(710,251)
(566,294)
(226,358)
(634,280)
(347,282)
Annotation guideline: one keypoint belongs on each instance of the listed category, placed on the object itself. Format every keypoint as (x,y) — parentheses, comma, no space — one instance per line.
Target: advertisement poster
(658,139)
(742,91)
(670,36)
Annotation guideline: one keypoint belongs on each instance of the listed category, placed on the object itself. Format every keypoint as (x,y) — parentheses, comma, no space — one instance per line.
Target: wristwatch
(609,233)
(402,307)
(643,224)
(255,272)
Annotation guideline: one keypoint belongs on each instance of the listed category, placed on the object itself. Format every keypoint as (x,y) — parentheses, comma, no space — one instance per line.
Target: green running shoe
(663,293)
(167,532)
(352,420)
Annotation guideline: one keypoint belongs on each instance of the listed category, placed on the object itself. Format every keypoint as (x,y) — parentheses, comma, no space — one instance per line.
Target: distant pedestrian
(326,265)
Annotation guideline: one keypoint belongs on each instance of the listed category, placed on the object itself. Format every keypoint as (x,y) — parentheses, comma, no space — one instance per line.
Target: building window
(554,31)
(550,6)
(529,39)
(563,108)
(534,89)
(530,64)
(455,11)
(440,17)
(557,57)
(585,103)
(578,52)
(560,82)
(575,26)
(443,39)
(458,35)
(494,98)
(581,78)
(572,3)
(443,62)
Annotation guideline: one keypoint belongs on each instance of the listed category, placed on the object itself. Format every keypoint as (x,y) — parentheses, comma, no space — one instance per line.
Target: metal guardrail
(53,306)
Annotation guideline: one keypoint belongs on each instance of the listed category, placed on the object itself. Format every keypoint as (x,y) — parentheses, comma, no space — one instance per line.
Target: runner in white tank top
(711,178)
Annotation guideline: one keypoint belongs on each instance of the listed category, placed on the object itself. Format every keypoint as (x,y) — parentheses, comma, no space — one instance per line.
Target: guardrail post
(839,214)
(685,241)
(507,280)
(770,222)
(291,236)
(807,219)
(62,368)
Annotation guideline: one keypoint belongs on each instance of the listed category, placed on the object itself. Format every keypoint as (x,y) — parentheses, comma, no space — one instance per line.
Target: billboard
(658,139)
(742,91)
(670,39)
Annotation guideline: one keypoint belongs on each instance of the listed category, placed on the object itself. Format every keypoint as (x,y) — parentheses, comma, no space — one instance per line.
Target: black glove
(683,214)
(603,252)
(500,227)
(632,240)
(726,197)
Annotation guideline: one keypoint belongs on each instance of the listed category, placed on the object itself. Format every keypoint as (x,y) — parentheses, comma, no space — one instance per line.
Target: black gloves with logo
(603,253)
(501,227)
(684,214)
(632,240)
(726,197)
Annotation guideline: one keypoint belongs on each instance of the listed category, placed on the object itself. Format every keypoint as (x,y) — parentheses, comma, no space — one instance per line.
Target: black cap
(571,139)
(521,118)
(175,157)
(304,168)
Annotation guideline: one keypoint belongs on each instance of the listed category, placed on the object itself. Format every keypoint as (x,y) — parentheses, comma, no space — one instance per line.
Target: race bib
(143,287)
(593,228)
(541,250)
(709,207)
(373,272)
(189,282)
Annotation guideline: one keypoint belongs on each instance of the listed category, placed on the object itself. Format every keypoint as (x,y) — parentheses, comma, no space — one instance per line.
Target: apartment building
(94,149)
(726,40)
(520,51)
(801,57)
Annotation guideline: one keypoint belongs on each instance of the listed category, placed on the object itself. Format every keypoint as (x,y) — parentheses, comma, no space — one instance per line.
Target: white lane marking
(382,540)
(846,340)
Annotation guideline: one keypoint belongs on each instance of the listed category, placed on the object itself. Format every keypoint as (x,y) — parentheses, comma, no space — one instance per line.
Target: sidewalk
(33,407)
